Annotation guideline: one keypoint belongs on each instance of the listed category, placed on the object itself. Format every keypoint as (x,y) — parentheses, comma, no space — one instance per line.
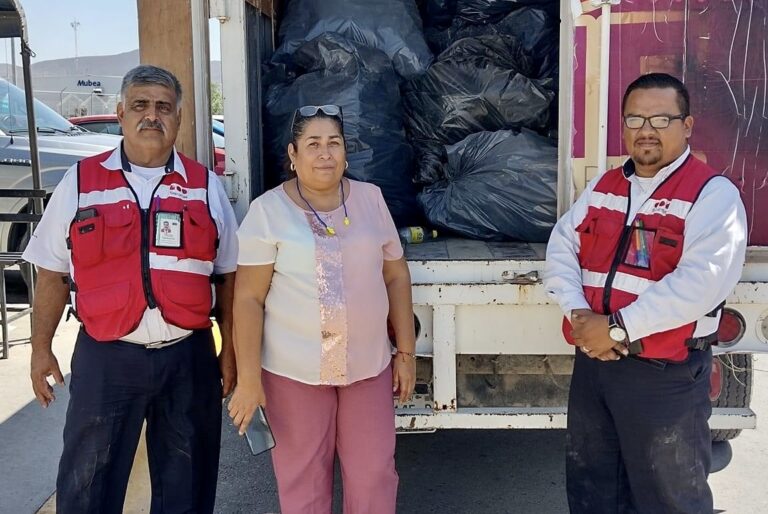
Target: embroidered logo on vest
(661,207)
(177,191)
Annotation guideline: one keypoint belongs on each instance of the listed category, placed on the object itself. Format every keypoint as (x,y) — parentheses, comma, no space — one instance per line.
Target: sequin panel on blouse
(333,307)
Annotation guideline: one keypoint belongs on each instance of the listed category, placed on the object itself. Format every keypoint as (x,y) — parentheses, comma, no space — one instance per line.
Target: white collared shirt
(48,247)
(713,256)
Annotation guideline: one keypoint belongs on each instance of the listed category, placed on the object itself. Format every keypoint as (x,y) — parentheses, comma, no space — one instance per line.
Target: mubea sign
(88,83)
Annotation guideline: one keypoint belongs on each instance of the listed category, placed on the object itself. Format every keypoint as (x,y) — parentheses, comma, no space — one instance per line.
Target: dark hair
(661,81)
(297,130)
(148,75)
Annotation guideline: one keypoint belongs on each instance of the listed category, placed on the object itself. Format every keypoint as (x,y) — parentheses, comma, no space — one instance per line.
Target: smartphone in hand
(258,433)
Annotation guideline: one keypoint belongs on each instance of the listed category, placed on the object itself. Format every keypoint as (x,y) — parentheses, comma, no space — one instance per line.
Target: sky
(105,27)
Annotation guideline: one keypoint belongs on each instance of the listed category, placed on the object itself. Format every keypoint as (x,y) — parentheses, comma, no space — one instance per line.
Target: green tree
(217,100)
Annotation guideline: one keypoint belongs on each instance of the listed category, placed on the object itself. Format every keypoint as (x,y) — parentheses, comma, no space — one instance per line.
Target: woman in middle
(320,270)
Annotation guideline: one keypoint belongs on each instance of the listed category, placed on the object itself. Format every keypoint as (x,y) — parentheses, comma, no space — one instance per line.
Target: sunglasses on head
(308,111)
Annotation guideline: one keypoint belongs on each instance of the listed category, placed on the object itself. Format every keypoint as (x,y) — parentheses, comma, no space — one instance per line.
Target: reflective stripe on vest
(117,269)
(621,258)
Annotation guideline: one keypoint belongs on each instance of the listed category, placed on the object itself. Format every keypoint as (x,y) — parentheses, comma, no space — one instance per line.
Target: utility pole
(75,24)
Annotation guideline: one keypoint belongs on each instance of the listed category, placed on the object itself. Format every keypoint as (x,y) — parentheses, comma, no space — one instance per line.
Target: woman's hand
(246,398)
(403,376)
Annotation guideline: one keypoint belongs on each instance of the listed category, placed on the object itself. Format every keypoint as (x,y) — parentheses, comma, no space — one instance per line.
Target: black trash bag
(477,84)
(437,13)
(430,160)
(488,11)
(534,28)
(362,81)
(499,186)
(393,26)
(501,50)
(466,92)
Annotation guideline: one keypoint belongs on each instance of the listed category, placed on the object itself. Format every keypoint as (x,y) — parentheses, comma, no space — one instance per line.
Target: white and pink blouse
(325,316)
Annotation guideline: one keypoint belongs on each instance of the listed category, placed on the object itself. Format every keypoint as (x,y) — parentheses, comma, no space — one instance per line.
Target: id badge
(168,229)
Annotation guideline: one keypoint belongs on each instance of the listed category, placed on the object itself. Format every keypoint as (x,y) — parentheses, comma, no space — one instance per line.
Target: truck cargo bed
(458,249)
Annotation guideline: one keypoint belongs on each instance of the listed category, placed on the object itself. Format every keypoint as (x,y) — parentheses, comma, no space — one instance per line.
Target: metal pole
(202,82)
(33,153)
(13,60)
(605,54)
(74,26)
(37,203)
(61,101)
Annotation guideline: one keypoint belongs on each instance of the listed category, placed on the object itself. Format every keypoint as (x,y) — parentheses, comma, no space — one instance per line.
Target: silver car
(60,143)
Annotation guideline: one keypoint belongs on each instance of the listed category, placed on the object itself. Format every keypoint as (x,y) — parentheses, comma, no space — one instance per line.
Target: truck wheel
(736,389)
(17,242)
(18,239)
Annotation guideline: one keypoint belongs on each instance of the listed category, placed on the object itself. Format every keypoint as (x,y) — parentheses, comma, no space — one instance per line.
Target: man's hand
(228,369)
(590,332)
(51,293)
(44,365)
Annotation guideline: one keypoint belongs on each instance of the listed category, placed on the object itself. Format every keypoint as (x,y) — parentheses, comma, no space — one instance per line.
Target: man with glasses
(641,266)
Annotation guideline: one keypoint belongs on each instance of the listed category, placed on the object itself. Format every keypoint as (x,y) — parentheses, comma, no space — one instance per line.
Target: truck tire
(19,237)
(736,388)
(17,242)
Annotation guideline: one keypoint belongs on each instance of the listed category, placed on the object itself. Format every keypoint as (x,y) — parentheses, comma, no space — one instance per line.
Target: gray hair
(148,75)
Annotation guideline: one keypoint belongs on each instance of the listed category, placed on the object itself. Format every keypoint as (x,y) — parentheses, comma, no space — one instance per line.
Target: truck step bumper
(421,420)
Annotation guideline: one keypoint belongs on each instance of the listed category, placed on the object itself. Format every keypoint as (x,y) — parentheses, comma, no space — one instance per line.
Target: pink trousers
(312,423)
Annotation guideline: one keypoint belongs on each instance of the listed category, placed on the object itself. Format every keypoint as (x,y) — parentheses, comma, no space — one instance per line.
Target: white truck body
(481,308)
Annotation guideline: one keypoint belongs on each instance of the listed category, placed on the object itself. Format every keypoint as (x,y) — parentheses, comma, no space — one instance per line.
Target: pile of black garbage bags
(452,118)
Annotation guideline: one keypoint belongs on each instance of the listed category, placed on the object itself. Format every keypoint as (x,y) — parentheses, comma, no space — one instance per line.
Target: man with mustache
(138,236)
(641,266)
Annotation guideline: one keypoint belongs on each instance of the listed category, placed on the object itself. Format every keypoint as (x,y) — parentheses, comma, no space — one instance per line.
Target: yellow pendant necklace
(328,228)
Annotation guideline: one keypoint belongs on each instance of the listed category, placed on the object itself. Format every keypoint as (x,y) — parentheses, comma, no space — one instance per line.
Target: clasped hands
(590,333)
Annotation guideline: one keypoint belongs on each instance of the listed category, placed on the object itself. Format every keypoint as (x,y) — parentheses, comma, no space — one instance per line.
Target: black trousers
(638,440)
(114,387)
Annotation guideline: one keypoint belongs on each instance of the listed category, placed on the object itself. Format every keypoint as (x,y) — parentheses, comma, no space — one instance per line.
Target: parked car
(60,145)
(217,126)
(108,124)
(101,123)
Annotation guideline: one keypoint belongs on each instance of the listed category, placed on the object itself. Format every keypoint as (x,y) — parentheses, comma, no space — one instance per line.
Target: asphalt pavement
(461,471)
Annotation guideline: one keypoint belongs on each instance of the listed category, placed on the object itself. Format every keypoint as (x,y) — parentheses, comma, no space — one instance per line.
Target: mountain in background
(91,66)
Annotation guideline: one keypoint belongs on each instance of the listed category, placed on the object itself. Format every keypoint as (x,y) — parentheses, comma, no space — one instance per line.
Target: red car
(107,124)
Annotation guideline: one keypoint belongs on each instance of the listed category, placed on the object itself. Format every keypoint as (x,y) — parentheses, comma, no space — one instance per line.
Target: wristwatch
(616,331)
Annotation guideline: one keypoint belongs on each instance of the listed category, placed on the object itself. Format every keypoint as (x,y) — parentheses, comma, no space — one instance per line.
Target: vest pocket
(87,237)
(640,247)
(105,311)
(598,239)
(199,235)
(667,250)
(188,299)
(120,232)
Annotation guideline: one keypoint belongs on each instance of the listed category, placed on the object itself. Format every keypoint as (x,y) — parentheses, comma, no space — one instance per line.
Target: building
(83,86)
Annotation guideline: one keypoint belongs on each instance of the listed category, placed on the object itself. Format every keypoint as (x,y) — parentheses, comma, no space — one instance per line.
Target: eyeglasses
(308,111)
(660,121)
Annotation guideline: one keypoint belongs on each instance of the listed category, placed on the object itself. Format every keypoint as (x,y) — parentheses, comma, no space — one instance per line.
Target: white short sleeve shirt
(48,246)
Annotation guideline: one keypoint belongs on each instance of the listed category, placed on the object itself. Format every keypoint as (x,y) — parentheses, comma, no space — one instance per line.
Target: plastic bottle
(410,235)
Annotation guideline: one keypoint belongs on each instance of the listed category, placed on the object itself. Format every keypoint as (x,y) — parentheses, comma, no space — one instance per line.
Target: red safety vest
(119,270)
(619,260)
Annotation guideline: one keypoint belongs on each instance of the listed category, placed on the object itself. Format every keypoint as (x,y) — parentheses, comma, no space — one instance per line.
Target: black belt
(701,343)
(156,345)
(693,344)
